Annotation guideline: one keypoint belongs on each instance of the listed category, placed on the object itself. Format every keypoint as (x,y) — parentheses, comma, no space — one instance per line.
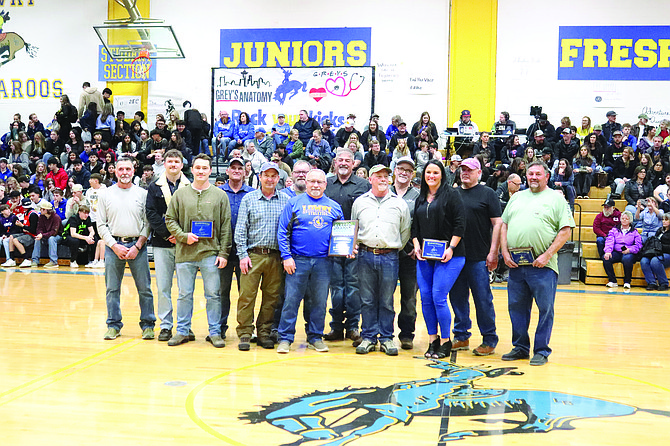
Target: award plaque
(203,229)
(343,238)
(522,256)
(433,249)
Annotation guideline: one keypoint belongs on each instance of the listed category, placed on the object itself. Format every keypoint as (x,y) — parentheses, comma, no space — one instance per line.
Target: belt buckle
(376,251)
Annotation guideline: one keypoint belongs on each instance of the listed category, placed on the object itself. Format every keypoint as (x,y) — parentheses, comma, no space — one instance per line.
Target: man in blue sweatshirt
(304,235)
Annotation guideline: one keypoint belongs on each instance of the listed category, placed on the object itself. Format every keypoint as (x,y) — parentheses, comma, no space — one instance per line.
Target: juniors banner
(326,92)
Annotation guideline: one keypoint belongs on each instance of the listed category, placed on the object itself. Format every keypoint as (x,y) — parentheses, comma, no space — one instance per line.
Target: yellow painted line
(190,400)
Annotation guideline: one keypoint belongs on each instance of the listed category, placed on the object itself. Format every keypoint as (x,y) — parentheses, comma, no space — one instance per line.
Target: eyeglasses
(407,171)
(316,181)
(517,184)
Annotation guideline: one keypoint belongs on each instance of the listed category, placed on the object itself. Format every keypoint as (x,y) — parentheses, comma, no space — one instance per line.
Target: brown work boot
(461,345)
(334,335)
(483,350)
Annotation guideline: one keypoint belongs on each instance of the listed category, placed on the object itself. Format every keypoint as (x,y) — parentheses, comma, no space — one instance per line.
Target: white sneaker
(9,263)
(614,285)
(626,287)
(74,265)
(100,264)
(90,264)
(26,264)
(283,347)
(51,265)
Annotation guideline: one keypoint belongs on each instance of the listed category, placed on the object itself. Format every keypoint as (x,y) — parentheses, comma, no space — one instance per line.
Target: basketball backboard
(125,40)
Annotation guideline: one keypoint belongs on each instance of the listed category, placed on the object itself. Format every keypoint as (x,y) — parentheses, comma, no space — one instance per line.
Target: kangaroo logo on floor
(361,412)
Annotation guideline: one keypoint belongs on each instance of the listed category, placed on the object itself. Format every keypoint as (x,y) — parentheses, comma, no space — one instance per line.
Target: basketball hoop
(141,64)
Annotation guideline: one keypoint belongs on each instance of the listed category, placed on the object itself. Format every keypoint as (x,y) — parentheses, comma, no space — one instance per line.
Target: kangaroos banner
(326,92)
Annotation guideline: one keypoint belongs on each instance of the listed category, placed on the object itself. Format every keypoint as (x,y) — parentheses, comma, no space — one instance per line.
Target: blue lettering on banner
(121,70)
(261,118)
(631,53)
(30,88)
(295,47)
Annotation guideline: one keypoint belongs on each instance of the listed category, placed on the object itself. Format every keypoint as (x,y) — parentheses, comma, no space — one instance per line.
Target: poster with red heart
(325,92)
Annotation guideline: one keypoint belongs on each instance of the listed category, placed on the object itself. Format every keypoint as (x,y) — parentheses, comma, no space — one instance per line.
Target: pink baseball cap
(471,163)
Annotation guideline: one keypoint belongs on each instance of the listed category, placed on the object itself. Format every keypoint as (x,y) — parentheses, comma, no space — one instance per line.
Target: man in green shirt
(208,252)
(538,218)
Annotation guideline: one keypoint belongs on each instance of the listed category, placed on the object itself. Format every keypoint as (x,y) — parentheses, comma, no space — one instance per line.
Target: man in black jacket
(610,126)
(305,127)
(547,128)
(159,195)
(567,147)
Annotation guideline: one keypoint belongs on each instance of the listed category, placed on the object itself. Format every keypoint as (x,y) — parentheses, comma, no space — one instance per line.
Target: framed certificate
(433,249)
(522,256)
(203,229)
(343,238)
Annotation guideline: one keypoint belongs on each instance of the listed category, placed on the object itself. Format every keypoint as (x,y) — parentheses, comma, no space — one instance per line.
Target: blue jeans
(164,265)
(218,144)
(600,244)
(474,277)
(525,284)
(344,296)
(52,242)
(186,272)
(407,314)
(628,261)
(313,274)
(233,266)
(139,268)
(377,279)
(203,147)
(654,269)
(435,280)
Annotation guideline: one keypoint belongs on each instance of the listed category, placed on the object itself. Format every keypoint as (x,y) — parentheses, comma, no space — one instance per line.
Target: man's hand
(192,238)
(120,250)
(508,260)
(220,262)
(132,253)
(289,265)
(245,265)
(90,240)
(492,261)
(541,260)
(172,239)
(38,237)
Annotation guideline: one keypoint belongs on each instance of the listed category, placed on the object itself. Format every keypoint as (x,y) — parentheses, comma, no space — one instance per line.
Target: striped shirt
(258,221)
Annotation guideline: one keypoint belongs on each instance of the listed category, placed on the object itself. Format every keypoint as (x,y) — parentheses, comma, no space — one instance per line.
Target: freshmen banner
(327,92)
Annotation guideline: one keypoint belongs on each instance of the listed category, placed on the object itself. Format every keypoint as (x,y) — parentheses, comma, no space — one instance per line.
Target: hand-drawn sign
(453,394)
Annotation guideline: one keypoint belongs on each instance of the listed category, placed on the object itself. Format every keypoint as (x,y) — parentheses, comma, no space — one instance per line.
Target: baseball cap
(547,151)
(456,158)
(566,130)
(268,165)
(539,133)
(609,202)
(465,113)
(326,122)
(643,116)
(46,205)
(543,116)
(3,160)
(260,129)
(597,127)
(26,203)
(281,115)
(349,123)
(617,132)
(406,159)
(77,188)
(471,163)
(611,113)
(379,168)
(402,123)
(237,160)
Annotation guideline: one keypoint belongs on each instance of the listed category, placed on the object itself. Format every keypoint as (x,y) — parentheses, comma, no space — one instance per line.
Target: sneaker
(91,264)
(483,350)
(245,343)
(101,264)
(51,265)
(334,335)
(406,344)
(112,333)
(26,264)
(165,334)
(34,264)
(365,347)
(9,263)
(318,345)
(148,333)
(612,285)
(514,355)
(626,287)
(461,345)
(663,288)
(177,340)
(389,348)
(538,359)
(74,265)
(216,340)
(284,347)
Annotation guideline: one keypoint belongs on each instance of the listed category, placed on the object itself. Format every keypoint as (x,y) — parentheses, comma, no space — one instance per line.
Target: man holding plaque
(304,235)
(344,188)
(482,233)
(384,227)
(199,219)
(536,224)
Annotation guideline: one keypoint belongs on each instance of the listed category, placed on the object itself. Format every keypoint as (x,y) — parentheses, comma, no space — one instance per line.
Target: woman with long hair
(654,267)
(592,143)
(529,155)
(657,174)
(38,149)
(373,132)
(244,131)
(646,140)
(109,178)
(584,165)
(438,215)
(135,131)
(563,178)
(512,149)
(623,171)
(105,123)
(425,124)
(74,141)
(126,146)
(354,138)
(638,188)
(518,167)
(622,245)
(66,116)
(18,156)
(88,120)
(400,151)
(40,175)
(585,129)
(172,123)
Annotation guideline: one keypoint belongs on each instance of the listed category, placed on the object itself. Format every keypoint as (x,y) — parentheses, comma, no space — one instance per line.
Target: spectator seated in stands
(374,133)
(623,170)
(252,155)
(392,129)
(628,139)
(657,174)
(319,150)
(566,147)
(294,146)
(48,225)
(281,130)
(344,133)
(653,267)
(8,228)
(78,199)
(400,151)
(263,143)
(622,245)
(563,178)
(583,167)
(646,140)
(647,217)
(657,151)
(543,124)
(375,156)
(508,188)
(79,235)
(402,133)
(637,188)
(244,131)
(609,218)
(59,203)
(662,194)
(328,134)
(484,146)
(584,130)
(19,244)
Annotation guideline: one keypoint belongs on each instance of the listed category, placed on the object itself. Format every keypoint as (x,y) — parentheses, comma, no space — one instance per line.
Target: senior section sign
(634,53)
(121,70)
(329,92)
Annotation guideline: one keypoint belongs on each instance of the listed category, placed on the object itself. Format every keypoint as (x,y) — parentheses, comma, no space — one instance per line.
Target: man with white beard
(604,222)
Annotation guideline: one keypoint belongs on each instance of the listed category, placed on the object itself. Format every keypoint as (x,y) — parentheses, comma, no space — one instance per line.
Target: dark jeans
(628,261)
(583,183)
(233,266)
(378,277)
(344,294)
(408,288)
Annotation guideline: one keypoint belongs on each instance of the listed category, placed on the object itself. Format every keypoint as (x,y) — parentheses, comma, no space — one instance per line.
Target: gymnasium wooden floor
(607,382)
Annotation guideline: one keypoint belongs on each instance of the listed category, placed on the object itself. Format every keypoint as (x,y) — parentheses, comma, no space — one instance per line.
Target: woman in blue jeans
(654,268)
(438,215)
(622,245)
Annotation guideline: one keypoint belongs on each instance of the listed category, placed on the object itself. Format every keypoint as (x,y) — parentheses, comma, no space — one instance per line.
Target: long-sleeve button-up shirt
(258,221)
(382,223)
